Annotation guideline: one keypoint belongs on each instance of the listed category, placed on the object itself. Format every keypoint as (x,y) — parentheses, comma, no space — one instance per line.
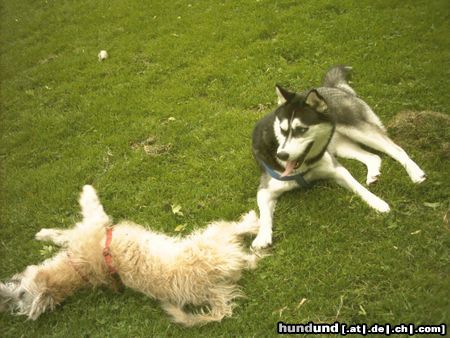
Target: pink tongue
(290,166)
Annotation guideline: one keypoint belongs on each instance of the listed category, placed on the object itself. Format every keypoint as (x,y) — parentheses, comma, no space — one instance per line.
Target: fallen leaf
(300,303)
(339,307)
(180,227)
(433,205)
(362,311)
(415,232)
(280,311)
(47,250)
(176,210)
(393,225)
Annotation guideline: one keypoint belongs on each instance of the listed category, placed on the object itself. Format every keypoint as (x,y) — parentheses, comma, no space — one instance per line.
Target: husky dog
(297,144)
(199,270)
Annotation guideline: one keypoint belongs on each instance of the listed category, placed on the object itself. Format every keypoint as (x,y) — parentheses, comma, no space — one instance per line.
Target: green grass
(68,119)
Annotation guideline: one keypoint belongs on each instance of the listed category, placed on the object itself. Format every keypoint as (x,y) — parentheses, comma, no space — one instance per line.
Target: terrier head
(26,293)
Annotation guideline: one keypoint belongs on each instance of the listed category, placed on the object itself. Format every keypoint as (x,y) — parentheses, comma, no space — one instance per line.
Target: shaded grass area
(197,75)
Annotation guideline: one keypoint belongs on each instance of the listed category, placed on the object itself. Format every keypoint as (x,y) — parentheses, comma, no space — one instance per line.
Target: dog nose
(282,155)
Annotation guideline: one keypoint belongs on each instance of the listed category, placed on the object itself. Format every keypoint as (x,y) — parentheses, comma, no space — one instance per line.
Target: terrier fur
(199,270)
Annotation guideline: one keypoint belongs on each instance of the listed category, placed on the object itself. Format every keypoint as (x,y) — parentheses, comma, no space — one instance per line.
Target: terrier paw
(252,261)
(261,241)
(44,235)
(250,217)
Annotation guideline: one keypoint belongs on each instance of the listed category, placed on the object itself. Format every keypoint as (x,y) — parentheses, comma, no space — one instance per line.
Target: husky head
(26,294)
(303,127)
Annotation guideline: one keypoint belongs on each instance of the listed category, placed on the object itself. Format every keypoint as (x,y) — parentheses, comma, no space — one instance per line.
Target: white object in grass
(103,55)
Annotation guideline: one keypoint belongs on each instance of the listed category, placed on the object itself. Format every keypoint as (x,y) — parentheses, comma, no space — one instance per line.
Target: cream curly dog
(198,271)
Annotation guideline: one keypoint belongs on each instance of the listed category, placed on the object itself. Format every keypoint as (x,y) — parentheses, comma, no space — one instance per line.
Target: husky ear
(316,101)
(283,94)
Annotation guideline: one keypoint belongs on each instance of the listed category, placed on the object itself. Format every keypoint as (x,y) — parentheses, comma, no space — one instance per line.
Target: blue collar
(297,177)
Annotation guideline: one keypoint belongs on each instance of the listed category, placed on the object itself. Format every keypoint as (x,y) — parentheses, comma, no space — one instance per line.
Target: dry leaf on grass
(433,205)
(303,301)
(180,227)
(176,210)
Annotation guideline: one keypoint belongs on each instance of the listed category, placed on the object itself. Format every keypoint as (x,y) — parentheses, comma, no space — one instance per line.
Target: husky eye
(299,131)
(284,132)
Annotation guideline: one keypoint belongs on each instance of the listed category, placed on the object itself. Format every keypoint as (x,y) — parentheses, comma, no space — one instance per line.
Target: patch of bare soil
(428,131)
(151,147)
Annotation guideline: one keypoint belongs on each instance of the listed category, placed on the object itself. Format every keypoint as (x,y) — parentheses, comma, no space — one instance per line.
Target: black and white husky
(297,144)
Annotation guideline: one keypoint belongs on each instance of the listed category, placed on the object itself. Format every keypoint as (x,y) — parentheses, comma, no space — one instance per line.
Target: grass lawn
(194,77)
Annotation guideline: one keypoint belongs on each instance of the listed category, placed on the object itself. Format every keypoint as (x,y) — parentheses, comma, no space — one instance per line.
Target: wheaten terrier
(197,272)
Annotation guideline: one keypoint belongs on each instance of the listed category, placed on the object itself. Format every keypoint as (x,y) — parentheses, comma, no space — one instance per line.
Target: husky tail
(337,77)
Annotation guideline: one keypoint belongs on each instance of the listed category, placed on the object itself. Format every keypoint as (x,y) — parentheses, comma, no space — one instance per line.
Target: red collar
(76,268)
(116,281)
(107,251)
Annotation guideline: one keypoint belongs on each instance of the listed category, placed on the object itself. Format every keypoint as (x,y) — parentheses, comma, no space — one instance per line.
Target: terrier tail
(338,77)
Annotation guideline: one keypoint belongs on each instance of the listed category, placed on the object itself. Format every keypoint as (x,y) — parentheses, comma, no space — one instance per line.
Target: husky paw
(263,240)
(419,178)
(380,206)
(373,169)
(372,178)
(415,173)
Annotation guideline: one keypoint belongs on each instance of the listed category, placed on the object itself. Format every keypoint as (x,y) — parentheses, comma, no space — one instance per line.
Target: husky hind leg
(346,180)
(343,147)
(375,138)
(330,168)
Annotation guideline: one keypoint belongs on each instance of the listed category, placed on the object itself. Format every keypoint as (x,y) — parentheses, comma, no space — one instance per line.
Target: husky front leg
(346,180)
(268,193)
(266,204)
(329,167)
